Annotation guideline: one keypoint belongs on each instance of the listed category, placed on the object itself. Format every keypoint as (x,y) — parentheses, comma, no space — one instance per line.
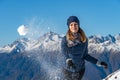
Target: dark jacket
(78,54)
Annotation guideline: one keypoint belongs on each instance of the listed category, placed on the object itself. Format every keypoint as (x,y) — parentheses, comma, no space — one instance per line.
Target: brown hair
(80,31)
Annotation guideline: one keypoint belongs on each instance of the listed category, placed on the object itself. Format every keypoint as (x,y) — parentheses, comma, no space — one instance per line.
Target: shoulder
(86,42)
(64,38)
(64,41)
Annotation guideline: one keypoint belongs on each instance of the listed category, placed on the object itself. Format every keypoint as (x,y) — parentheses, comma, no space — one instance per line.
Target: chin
(74,31)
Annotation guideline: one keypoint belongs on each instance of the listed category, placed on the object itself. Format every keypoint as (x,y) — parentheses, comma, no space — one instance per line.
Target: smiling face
(74,27)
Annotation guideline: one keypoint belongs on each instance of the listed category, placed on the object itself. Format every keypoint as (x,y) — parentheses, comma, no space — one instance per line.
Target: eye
(71,24)
(75,24)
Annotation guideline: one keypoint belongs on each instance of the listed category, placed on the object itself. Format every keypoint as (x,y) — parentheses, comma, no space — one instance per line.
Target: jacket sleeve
(64,48)
(87,56)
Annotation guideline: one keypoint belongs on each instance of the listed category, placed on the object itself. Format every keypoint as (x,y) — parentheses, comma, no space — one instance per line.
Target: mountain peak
(50,34)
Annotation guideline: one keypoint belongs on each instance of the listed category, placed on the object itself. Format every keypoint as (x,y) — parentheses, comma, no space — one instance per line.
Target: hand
(104,65)
(70,63)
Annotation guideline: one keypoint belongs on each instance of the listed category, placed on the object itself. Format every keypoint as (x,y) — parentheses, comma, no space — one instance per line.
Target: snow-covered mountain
(40,59)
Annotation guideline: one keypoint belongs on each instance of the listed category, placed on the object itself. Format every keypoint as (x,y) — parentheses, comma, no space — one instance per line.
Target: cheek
(76,28)
(71,28)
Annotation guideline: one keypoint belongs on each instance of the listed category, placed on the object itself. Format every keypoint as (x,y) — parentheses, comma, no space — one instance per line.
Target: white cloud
(22,30)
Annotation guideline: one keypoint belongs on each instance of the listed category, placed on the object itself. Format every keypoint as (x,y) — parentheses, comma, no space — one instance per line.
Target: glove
(103,64)
(70,63)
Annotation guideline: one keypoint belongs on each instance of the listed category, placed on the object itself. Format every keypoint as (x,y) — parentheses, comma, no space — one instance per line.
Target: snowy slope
(41,59)
(113,76)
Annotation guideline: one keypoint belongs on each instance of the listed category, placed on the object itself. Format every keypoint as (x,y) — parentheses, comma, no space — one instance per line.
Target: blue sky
(97,17)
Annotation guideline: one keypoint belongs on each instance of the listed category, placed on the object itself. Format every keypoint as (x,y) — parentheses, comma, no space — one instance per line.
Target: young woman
(75,50)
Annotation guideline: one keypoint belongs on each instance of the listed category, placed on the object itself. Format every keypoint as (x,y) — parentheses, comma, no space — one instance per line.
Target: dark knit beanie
(72,19)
